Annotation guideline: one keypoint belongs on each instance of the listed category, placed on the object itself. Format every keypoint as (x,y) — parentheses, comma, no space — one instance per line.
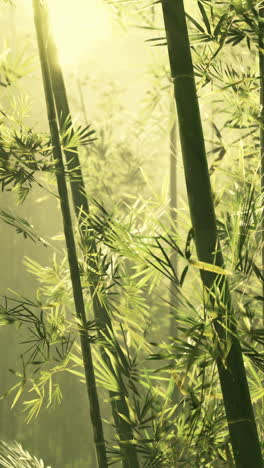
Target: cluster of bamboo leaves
(13,454)
(171,389)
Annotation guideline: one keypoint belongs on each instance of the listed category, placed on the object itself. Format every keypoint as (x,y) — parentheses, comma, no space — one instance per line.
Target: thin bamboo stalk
(261,133)
(238,406)
(173,291)
(81,207)
(70,243)
(173,211)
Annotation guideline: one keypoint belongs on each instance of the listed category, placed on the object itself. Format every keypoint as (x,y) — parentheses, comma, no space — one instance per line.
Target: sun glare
(78,27)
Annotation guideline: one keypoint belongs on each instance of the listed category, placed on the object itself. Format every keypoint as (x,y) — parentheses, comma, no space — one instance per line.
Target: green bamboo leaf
(18,395)
(210,267)
(198,26)
(21,225)
(219,25)
(205,17)
(13,455)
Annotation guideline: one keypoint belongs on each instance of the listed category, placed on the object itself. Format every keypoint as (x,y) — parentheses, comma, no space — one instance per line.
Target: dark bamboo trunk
(70,243)
(81,207)
(236,397)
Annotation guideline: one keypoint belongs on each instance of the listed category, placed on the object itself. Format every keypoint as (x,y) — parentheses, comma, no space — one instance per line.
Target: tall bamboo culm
(234,385)
(70,243)
(81,207)
(261,136)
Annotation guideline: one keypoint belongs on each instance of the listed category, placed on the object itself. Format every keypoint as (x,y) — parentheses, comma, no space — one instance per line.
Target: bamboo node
(184,75)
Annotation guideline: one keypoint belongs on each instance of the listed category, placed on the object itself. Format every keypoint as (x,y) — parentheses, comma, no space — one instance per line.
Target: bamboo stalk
(70,243)
(81,207)
(173,212)
(261,133)
(173,289)
(238,406)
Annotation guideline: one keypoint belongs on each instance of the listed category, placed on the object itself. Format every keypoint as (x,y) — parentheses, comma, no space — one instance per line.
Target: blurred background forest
(118,81)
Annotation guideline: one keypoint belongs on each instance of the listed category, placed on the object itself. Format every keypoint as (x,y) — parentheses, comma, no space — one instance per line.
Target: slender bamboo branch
(70,243)
(81,207)
(173,211)
(261,135)
(173,291)
(238,406)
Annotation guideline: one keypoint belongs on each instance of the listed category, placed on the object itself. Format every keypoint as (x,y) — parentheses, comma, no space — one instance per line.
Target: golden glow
(78,26)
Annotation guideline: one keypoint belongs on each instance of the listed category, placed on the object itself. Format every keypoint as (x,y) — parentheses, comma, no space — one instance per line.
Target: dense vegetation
(144,289)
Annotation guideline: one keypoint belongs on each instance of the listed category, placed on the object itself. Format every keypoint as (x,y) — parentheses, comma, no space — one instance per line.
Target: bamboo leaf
(210,267)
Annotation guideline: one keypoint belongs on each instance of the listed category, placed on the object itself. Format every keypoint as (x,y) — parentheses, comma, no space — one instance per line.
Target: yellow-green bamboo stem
(70,243)
(238,406)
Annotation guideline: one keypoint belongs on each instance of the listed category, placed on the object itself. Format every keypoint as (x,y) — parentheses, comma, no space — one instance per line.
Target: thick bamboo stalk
(261,133)
(81,207)
(236,397)
(70,243)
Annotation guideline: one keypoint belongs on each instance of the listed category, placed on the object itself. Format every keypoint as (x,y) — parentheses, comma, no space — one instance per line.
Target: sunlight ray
(78,27)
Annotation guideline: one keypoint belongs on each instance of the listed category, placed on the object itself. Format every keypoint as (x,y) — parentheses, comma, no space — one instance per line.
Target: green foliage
(22,153)
(170,383)
(14,65)
(22,226)
(72,138)
(13,455)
